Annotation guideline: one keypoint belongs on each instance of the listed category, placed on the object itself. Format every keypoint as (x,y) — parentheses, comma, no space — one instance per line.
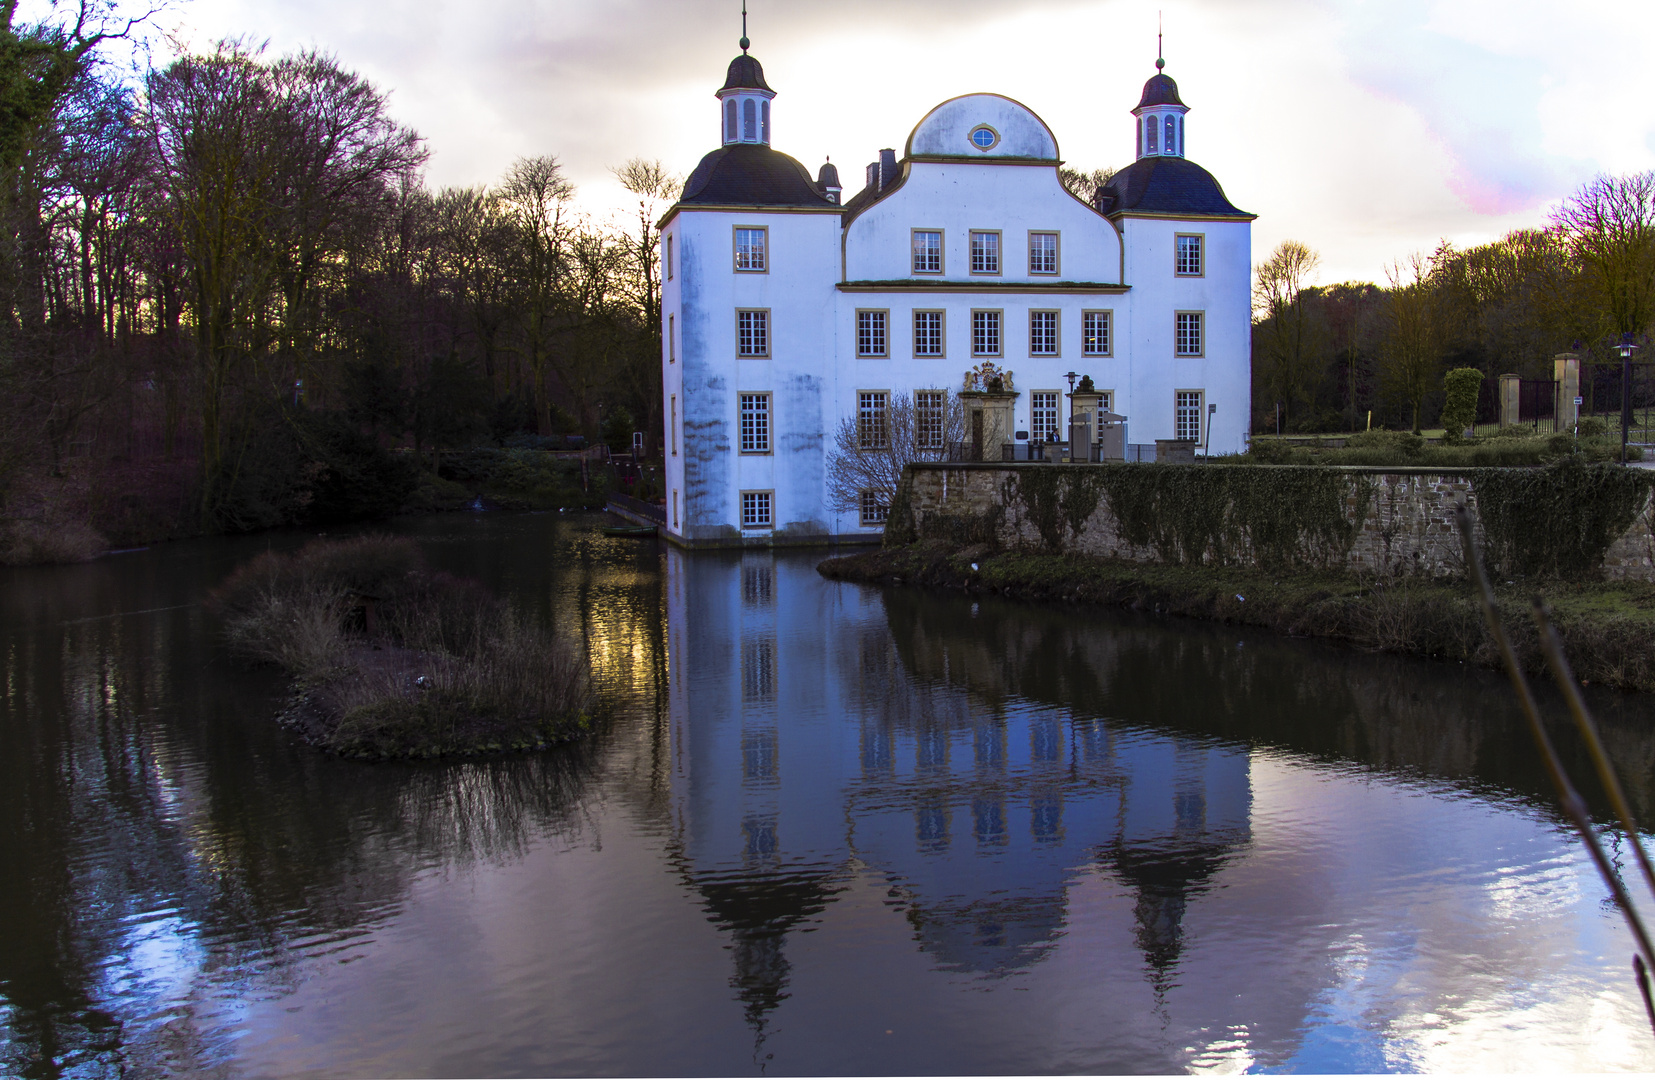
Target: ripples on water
(833,829)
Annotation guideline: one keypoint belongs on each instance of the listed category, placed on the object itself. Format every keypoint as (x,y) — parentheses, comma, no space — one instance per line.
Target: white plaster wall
(958,198)
(704,295)
(1224,293)
(946,129)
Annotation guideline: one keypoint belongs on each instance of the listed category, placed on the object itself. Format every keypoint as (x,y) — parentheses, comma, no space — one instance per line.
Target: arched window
(1182,149)
(1150,136)
(1171,144)
(749,120)
(1140,140)
(764,122)
(729,119)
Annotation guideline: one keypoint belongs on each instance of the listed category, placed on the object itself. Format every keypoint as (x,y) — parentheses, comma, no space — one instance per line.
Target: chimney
(882,173)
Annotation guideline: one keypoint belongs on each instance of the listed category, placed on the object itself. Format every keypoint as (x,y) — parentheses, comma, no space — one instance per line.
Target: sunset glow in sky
(1365,128)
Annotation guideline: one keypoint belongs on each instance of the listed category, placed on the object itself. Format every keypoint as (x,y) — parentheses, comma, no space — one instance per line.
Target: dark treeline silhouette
(228,300)
(1323,356)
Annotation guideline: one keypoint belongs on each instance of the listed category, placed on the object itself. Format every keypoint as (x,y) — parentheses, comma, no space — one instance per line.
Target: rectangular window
(1042,253)
(871,429)
(985,333)
(755,423)
(927,333)
(675,508)
(875,508)
(1187,339)
(927,251)
(672,339)
(669,258)
(752,250)
(870,334)
(1106,403)
(985,253)
(1042,333)
(930,407)
(1094,333)
(1188,262)
(675,425)
(1188,424)
(752,333)
(1043,416)
(755,509)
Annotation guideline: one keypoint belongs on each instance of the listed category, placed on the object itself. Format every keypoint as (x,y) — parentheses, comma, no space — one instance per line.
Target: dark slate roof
(1168,185)
(745,74)
(751,174)
(827,176)
(1159,90)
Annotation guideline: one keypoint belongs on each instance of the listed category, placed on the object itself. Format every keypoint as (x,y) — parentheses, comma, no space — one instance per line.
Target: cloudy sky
(1365,128)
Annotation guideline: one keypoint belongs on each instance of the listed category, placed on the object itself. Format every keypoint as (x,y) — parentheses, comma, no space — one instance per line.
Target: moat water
(831,829)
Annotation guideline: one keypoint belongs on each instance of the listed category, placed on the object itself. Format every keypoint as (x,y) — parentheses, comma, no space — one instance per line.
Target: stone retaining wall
(1393,521)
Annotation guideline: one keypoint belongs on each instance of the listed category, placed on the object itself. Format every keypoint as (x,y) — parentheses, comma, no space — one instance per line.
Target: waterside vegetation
(1606,627)
(392,660)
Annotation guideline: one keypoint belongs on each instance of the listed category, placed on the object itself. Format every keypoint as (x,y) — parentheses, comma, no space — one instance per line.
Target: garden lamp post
(1626,349)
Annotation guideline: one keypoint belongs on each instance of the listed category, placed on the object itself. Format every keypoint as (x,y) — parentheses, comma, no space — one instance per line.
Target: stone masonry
(1407,522)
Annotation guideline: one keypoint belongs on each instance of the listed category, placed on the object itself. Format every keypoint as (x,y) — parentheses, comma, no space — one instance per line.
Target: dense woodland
(228,300)
(1324,356)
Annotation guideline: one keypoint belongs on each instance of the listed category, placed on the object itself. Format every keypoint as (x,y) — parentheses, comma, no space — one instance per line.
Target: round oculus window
(984,137)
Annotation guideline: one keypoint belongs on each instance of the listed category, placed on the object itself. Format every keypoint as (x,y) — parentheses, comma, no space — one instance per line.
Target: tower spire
(744,42)
(1160,53)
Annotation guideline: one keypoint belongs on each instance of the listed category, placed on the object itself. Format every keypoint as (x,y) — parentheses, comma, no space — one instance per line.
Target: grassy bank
(390,660)
(1607,629)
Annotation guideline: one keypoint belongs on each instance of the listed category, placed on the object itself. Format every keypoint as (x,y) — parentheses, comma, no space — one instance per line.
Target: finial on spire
(744,42)
(1160,53)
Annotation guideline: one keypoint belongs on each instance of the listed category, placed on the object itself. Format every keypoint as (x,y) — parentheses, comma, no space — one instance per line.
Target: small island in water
(393,660)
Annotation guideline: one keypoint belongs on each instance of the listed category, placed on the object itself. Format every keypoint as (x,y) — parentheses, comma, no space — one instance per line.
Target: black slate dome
(745,73)
(1159,90)
(751,174)
(1167,185)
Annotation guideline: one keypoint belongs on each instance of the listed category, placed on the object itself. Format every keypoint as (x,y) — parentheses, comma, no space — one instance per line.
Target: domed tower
(1160,116)
(744,101)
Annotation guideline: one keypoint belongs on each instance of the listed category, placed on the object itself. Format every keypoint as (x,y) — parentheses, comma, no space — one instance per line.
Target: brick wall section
(1407,524)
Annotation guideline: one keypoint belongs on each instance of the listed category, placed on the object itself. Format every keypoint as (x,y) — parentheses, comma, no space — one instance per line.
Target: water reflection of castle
(802,746)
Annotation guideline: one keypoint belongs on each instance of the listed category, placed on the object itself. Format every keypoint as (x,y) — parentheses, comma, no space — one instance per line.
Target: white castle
(786,309)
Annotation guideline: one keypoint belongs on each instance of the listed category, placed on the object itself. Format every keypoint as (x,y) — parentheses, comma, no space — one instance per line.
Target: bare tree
(1411,344)
(871,449)
(1609,227)
(1086,185)
(537,197)
(640,371)
(1279,306)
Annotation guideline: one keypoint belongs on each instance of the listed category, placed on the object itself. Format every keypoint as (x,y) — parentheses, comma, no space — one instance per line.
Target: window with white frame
(752,253)
(1187,334)
(927,251)
(875,508)
(755,423)
(870,334)
(752,333)
(1106,401)
(669,258)
(930,409)
(755,509)
(927,333)
(1042,333)
(1188,261)
(1094,333)
(1043,253)
(1188,425)
(872,432)
(672,339)
(1043,416)
(985,253)
(985,333)
(675,425)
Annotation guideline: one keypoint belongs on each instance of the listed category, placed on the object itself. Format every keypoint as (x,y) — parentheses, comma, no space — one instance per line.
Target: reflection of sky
(821,861)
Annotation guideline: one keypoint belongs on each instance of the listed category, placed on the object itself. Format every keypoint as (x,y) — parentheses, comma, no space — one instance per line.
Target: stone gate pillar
(1566,370)
(1511,398)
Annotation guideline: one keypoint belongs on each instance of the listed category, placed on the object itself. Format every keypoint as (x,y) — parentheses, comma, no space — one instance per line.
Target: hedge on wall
(1557,521)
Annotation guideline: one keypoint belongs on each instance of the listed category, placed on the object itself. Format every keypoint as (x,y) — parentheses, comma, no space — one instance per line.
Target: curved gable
(946,130)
